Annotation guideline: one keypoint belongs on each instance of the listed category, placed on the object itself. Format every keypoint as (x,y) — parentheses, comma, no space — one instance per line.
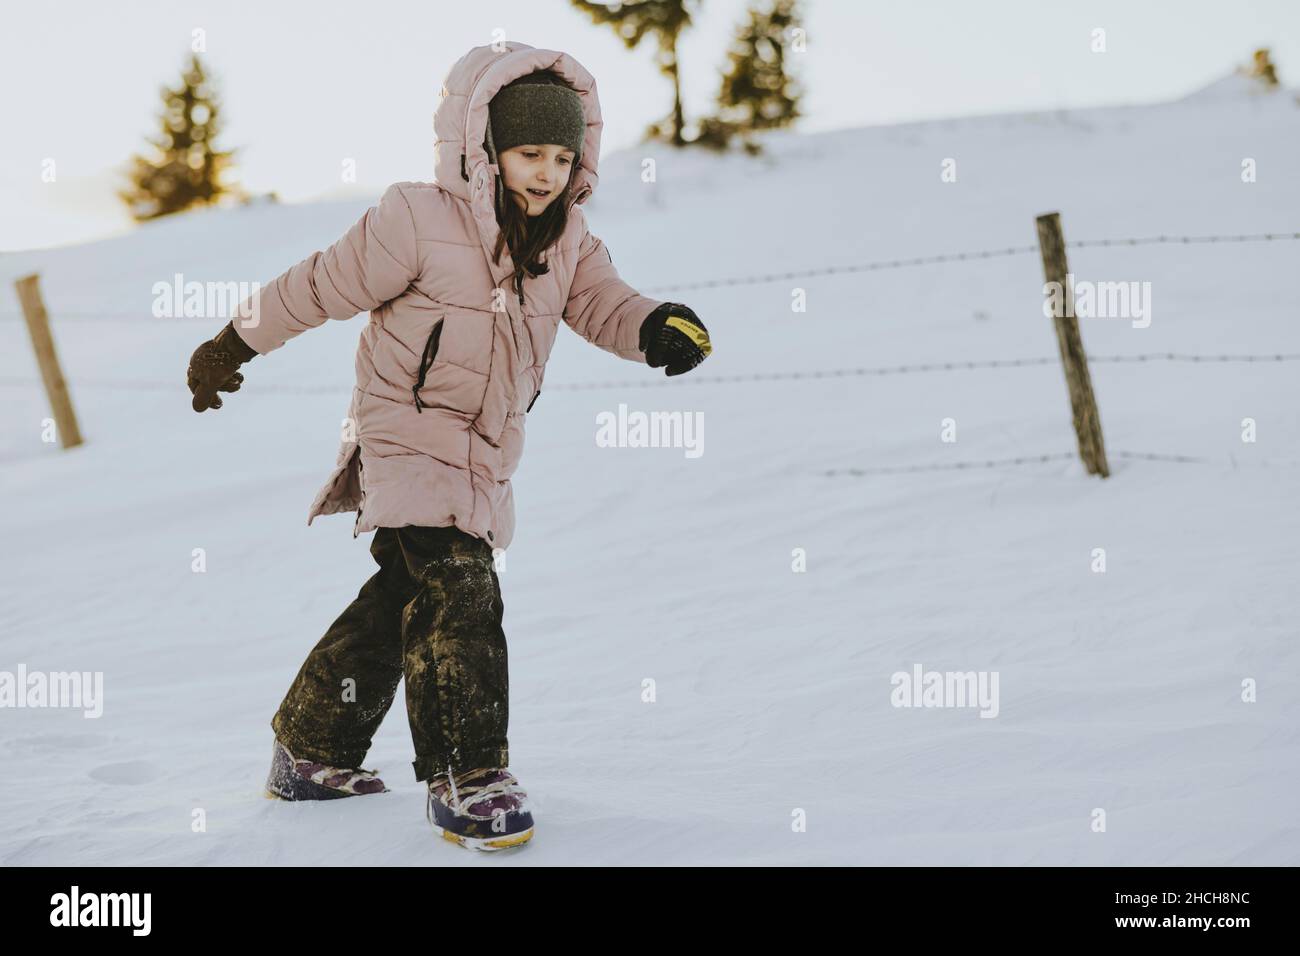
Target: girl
(466,280)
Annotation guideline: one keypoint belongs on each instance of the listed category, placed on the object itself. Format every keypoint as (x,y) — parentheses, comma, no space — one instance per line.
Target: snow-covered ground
(1119,690)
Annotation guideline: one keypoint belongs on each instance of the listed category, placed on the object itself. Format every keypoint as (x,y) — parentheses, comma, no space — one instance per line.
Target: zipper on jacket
(360,505)
(426,359)
(533,402)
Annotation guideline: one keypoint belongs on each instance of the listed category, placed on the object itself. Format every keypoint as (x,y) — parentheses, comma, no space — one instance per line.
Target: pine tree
(1263,69)
(184,167)
(632,20)
(756,93)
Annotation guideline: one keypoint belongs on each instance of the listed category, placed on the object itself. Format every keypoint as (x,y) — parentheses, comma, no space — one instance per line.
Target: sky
(305,86)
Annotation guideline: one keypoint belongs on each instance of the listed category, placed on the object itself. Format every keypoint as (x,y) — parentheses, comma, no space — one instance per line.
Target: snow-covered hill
(1118,690)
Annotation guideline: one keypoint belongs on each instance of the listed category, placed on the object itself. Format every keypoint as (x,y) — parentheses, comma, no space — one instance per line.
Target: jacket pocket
(426,359)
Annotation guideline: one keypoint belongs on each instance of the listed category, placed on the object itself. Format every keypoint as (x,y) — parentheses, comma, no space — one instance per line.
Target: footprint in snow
(128,772)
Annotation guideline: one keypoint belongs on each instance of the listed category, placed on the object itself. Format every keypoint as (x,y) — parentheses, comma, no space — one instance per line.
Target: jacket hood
(461,162)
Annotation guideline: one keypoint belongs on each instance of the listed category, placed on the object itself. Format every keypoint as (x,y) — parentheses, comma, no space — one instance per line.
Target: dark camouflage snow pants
(431,614)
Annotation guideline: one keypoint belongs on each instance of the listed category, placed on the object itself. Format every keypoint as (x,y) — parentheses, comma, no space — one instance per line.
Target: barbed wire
(845,269)
(1150,456)
(950,466)
(58,315)
(1184,240)
(1185,357)
(666,382)
(918,368)
(964,257)
(848,269)
(1001,462)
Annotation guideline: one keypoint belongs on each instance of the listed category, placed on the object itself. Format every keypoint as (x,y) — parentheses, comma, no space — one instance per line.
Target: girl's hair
(529,238)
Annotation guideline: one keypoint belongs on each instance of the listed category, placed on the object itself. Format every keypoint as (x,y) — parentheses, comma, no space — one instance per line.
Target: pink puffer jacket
(420,263)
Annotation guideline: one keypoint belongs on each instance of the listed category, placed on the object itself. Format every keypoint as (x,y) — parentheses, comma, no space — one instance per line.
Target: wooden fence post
(1087,420)
(38,326)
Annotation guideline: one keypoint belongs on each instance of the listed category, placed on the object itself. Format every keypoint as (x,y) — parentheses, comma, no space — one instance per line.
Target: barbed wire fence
(813,374)
(760,278)
(1003,462)
(884,264)
(674,382)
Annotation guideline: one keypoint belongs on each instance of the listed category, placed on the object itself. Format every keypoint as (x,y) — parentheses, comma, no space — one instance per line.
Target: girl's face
(536,175)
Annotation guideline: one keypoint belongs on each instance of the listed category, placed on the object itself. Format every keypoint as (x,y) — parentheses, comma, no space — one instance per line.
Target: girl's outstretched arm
(604,309)
(374,262)
(608,312)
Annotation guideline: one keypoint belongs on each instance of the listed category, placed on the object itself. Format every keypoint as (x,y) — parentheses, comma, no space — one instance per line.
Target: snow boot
(294,779)
(482,809)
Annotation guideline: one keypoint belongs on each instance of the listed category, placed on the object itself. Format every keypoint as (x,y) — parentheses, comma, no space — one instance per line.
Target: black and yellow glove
(673,336)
